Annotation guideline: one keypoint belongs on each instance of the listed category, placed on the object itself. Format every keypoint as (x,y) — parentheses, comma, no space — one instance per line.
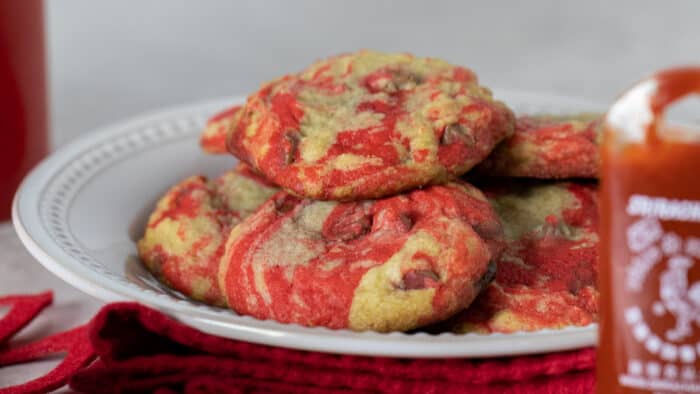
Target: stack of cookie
(347,209)
(542,183)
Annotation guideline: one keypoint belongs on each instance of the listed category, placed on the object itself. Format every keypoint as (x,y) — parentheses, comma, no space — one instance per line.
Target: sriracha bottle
(649,338)
(23,113)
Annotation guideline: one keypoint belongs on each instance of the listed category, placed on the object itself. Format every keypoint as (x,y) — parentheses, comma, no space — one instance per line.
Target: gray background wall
(112,59)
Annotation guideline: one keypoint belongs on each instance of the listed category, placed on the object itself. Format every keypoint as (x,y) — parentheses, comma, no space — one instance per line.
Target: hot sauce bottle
(23,113)
(649,338)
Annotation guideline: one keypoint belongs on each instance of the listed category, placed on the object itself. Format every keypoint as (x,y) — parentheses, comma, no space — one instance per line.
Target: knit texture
(139,349)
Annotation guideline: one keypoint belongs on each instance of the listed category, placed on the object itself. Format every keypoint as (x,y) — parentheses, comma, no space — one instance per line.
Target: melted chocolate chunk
(419,279)
(395,81)
(407,221)
(487,278)
(347,222)
(285,203)
(455,133)
(405,80)
(290,154)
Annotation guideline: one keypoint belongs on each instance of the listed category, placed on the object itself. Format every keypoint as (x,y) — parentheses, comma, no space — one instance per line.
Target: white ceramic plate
(81,210)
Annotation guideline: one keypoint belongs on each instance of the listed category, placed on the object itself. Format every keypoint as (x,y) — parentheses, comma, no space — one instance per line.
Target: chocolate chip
(356,230)
(407,221)
(290,154)
(392,220)
(405,80)
(350,231)
(155,263)
(353,223)
(285,203)
(400,79)
(419,279)
(456,133)
(574,286)
(486,278)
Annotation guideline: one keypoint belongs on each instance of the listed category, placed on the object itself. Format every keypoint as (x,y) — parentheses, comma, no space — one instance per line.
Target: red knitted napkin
(138,349)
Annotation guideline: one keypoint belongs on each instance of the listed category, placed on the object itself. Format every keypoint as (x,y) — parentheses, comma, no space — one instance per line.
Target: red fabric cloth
(138,349)
(74,343)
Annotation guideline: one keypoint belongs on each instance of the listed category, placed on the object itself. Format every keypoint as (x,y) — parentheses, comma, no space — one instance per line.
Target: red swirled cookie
(548,147)
(185,236)
(546,275)
(213,138)
(391,264)
(369,125)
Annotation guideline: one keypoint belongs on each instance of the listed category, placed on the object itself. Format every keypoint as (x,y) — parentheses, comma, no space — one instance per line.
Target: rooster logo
(677,297)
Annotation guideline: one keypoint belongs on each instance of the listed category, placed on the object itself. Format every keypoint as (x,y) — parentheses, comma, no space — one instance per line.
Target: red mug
(23,112)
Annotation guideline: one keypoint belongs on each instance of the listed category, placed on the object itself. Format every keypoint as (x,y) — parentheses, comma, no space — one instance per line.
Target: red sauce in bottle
(24,139)
(650,243)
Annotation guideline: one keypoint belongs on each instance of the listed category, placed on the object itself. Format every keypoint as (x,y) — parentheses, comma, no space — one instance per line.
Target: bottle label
(661,297)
